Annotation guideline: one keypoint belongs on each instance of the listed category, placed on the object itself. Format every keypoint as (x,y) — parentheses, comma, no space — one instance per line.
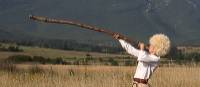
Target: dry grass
(98,76)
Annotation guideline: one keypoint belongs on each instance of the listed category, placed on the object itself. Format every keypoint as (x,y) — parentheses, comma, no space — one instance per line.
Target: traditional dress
(147,63)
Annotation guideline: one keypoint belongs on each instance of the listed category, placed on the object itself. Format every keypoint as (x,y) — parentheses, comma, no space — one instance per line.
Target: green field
(87,58)
(64,57)
(54,53)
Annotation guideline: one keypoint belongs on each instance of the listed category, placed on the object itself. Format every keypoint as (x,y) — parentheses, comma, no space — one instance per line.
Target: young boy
(147,61)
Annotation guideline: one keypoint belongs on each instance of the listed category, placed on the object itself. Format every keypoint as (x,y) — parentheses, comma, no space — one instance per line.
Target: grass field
(97,76)
(29,75)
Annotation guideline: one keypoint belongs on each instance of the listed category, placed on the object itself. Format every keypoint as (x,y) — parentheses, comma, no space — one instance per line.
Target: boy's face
(152,49)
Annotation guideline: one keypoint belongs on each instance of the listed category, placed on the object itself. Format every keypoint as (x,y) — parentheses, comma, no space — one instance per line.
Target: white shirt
(147,63)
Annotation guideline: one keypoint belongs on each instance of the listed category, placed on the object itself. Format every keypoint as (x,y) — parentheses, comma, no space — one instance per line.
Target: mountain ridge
(138,19)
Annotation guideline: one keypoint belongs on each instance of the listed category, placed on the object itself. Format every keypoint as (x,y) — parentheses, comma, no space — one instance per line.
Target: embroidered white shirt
(147,63)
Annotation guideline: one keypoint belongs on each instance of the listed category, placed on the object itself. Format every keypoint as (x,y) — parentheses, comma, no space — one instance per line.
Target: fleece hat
(161,43)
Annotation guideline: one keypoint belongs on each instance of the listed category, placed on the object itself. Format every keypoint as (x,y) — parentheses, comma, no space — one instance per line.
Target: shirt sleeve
(145,57)
(129,48)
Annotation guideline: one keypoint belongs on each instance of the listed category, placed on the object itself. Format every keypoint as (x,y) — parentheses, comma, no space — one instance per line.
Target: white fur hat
(161,43)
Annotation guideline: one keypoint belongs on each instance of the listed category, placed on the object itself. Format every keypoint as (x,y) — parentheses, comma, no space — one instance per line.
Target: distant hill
(139,19)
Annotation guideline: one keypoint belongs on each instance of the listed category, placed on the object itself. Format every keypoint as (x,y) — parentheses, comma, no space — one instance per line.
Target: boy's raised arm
(129,48)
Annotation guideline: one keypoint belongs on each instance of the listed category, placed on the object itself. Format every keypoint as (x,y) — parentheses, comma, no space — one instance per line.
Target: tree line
(66,45)
(175,54)
(180,56)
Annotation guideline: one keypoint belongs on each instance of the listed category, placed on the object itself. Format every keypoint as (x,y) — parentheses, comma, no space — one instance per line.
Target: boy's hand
(116,36)
(141,45)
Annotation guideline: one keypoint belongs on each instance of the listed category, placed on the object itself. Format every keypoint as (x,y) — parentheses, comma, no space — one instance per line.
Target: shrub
(100,60)
(59,61)
(14,48)
(129,63)
(39,59)
(113,62)
(19,59)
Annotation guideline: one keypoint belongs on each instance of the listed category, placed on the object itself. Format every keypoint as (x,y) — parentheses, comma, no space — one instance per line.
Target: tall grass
(96,76)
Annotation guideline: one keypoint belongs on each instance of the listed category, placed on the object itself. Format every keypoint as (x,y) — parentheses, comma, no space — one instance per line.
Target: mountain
(138,19)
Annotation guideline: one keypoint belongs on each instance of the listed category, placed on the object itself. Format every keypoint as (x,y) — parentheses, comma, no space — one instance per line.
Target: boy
(147,61)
